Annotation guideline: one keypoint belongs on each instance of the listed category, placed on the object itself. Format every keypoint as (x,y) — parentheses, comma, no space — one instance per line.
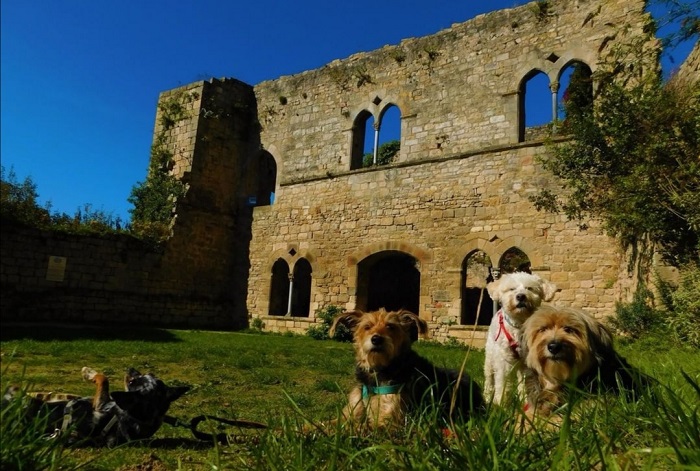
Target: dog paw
(88,373)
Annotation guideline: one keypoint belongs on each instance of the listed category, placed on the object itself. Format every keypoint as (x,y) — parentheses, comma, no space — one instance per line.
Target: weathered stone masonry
(462,178)
(359,237)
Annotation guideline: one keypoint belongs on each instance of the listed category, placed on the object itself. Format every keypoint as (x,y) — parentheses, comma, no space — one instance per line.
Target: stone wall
(106,280)
(198,278)
(463,175)
(458,90)
(460,185)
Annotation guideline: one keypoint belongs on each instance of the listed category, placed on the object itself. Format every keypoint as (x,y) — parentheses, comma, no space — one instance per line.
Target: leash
(512,343)
(220,437)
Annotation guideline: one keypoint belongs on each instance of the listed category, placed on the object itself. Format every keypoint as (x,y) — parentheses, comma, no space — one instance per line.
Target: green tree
(18,200)
(154,199)
(385,154)
(633,158)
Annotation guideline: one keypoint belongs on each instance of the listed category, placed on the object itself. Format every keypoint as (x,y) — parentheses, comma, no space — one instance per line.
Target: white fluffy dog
(519,294)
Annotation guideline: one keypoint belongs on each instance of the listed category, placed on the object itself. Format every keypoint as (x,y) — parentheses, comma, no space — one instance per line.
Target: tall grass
(292,383)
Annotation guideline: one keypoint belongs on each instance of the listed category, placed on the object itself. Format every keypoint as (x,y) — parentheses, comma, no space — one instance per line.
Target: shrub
(638,317)
(321,331)
(684,319)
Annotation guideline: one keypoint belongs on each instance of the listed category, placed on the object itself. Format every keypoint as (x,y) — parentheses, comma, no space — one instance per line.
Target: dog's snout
(520,297)
(554,347)
(377,340)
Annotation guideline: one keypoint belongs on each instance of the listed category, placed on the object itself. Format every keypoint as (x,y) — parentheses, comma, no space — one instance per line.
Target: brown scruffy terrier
(393,379)
(566,347)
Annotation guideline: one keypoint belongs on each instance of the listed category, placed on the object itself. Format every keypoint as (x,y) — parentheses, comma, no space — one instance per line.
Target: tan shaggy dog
(567,347)
(393,380)
(519,294)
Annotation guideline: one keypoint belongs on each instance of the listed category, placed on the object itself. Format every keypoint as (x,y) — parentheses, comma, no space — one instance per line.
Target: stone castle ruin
(427,231)
(282,217)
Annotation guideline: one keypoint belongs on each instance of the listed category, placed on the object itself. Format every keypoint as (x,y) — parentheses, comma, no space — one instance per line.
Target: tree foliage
(633,157)
(19,204)
(385,154)
(154,199)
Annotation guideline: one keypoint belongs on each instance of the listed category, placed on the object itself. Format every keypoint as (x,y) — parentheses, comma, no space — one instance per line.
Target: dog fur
(107,418)
(519,295)
(563,346)
(382,342)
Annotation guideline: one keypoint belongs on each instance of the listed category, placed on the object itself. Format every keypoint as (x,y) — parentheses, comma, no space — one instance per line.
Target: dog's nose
(554,347)
(520,297)
(377,340)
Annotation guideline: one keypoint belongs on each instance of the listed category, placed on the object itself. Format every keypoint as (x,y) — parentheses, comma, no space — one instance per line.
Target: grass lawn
(284,380)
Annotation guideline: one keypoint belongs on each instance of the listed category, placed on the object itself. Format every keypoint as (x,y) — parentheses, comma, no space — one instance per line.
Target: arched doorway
(477,305)
(514,260)
(388,279)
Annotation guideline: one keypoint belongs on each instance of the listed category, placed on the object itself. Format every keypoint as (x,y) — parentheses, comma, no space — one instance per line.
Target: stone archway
(388,279)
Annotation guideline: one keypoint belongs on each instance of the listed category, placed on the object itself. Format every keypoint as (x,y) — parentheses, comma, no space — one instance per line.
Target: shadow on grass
(68,332)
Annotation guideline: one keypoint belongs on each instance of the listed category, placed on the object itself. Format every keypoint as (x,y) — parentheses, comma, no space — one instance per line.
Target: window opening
(537,102)
(300,286)
(279,288)
(576,90)
(477,305)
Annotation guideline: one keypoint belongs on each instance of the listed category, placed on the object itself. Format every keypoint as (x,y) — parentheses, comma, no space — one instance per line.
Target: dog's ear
(600,339)
(414,323)
(174,392)
(494,290)
(549,289)
(349,319)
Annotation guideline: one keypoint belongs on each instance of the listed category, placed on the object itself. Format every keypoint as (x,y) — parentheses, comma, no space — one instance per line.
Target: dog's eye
(570,330)
(541,329)
(367,327)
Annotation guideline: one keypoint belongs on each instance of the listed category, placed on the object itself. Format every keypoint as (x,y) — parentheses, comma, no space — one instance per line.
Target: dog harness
(368,391)
(512,343)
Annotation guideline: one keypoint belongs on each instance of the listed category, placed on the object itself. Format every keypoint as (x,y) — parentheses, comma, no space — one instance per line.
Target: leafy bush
(684,319)
(638,317)
(155,198)
(321,331)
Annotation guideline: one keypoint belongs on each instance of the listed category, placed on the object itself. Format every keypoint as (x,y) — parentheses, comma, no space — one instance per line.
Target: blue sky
(80,79)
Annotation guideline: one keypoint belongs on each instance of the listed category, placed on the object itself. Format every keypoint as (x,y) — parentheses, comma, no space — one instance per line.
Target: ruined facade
(451,211)
(282,216)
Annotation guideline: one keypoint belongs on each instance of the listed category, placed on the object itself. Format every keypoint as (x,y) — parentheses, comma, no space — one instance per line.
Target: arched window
(535,106)
(575,93)
(388,138)
(359,136)
(279,288)
(260,176)
(376,143)
(514,260)
(477,306)
(301,289)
